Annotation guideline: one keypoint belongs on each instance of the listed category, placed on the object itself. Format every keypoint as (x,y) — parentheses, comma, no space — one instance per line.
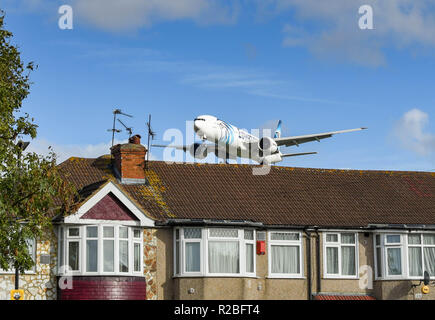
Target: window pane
(332,260)
(109,255)
(224,233)
(429,260)
(73,232)
(91,255)
(249,257)
(177,234)
(192,233)
(92,232)
(123,256)
(285,259)
(223,257)
(429,239)
(393,238)
(136,234)
(193,257)
(347,238)
(73,255)
(332,238)
(394,257)
(414,239)
(414,257)
(348,260)
(137,257)
(123,232)
(379,262)
(284,236)
(249,234)
(108,232)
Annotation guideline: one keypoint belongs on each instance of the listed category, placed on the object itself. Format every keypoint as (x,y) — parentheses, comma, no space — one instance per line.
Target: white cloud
(118,15)
(410,131)
(65,151)
(329,29)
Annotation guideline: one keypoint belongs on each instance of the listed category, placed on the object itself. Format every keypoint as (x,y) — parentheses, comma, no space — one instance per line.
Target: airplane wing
(184,148)
(210,147)
(296,140)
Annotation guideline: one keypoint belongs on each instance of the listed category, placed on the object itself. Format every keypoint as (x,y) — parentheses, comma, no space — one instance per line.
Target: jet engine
(267,146)
(198,150)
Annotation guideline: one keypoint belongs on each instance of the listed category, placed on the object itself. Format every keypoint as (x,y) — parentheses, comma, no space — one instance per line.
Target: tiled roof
(342,297)
(285,196)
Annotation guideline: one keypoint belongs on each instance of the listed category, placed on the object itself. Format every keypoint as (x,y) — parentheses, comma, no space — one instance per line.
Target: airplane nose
(198,125)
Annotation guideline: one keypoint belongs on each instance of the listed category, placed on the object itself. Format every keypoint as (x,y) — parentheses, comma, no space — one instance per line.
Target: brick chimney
(129,161)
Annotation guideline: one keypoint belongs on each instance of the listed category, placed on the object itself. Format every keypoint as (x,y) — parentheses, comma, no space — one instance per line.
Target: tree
(30,184)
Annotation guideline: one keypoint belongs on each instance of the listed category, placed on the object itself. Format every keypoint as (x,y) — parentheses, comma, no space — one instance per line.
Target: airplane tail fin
(278,130)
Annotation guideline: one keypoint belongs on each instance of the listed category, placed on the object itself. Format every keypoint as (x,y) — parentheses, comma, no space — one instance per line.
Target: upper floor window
(285,254)
(214,251)
(340,254)
(404,255)
(100,249)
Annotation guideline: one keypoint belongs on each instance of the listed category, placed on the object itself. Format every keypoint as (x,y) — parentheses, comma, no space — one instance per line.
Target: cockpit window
(199,119)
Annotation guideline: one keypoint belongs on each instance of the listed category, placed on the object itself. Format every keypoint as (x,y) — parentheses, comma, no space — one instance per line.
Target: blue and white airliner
(229,142)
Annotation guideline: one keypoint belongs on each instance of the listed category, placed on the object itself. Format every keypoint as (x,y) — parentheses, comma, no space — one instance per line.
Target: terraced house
(190,231)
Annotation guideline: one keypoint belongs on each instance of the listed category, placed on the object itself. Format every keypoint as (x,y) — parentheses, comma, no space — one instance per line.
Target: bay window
(214,252)
(340,255)
(285,254)
(100,250)
(421,254)
(404,256)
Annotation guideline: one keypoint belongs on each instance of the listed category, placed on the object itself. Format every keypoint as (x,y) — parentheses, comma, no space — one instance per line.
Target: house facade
(204,231)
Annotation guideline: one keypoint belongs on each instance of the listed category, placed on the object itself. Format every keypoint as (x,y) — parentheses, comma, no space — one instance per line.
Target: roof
(285,196)
(342,297)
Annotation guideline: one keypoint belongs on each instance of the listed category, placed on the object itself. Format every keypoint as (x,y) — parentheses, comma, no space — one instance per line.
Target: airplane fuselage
(231,142)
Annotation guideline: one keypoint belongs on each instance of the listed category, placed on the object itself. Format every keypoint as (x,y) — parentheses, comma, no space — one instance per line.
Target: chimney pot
(135,139)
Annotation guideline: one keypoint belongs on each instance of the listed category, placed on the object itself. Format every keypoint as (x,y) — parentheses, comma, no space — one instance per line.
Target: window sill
(340,278)
(286,277)
(214,276)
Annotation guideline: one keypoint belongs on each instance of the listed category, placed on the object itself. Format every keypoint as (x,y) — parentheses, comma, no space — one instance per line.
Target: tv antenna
(116,112)
(130,132)
(151,134)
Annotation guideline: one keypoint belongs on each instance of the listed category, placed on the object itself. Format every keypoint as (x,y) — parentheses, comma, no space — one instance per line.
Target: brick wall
(129,160)
(105,288)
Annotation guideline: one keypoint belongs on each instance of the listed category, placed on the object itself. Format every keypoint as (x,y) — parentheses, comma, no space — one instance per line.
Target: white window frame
(290,243)
(183,242)
(421,246)
(245,242)
(81,239)
(404,245)
(204,240)
(384,245)
(339,245)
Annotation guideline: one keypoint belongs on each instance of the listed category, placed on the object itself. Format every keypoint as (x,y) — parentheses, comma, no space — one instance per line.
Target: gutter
(209,222)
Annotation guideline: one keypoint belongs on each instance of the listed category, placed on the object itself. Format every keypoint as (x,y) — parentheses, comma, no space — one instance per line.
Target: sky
(248,62)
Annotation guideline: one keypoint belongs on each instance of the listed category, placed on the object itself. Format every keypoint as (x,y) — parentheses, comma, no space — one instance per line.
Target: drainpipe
(309,292)
(318,262)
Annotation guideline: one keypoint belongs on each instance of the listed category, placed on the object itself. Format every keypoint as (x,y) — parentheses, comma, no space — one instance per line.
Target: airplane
(230,142)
